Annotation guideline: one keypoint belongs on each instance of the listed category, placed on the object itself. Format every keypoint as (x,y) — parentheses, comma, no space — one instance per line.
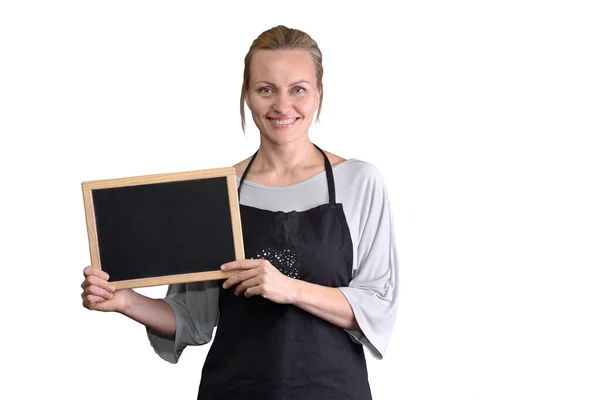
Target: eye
(298,89)
(265,90)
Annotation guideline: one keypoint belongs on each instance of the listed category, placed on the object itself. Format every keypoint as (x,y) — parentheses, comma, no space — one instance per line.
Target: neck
(285,159)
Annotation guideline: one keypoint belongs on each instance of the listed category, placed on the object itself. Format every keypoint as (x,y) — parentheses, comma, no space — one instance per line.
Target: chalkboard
(162,229)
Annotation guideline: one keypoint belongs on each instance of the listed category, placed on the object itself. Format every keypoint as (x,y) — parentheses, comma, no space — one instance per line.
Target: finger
(95,281)
(98,291)
(91,271)
(92,280)
(237,278)
(90,301)
(241,264)
(256,291)
(249,283)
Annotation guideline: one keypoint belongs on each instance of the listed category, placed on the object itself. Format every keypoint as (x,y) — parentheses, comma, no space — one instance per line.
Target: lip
(273,124)
(280,117)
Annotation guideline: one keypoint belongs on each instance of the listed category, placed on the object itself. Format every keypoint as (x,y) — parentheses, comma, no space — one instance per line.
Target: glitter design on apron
(286,261)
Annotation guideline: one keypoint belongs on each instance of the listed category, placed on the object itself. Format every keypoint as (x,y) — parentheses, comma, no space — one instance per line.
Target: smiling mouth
(283,122)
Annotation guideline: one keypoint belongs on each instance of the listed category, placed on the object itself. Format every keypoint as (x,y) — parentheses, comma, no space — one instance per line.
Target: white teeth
(283,121)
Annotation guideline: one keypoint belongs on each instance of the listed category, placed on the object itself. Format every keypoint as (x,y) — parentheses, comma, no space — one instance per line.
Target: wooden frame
(229,173)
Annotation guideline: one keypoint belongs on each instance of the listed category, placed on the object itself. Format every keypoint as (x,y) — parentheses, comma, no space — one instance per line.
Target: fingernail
(222,267)
(112,288)
(224,286)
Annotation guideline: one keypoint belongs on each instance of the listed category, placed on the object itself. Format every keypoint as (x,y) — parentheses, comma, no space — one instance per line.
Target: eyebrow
(272,84)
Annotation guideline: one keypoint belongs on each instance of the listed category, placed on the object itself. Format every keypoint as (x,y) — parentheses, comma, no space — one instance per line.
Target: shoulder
(360,185)
(241,166)
(334,159)
(360,171)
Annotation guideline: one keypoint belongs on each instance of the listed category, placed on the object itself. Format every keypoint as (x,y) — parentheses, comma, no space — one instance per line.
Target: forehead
(279,66)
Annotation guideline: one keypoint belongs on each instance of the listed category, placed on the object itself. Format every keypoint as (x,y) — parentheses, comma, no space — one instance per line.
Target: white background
(483,118)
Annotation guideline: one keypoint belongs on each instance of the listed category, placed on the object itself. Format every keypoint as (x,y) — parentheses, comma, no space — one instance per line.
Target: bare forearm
(155,314)
(324,302)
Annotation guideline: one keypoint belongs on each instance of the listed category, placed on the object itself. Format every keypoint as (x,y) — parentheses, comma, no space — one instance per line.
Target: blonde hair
(282,38)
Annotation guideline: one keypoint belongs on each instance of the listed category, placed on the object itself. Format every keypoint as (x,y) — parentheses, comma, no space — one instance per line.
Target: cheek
(258,104)
(307,105)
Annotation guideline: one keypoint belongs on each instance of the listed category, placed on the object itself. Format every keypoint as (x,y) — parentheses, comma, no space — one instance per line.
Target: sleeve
(373,290)
(196,308)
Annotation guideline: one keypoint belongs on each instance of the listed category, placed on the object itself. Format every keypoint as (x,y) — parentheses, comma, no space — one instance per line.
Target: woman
(320,281)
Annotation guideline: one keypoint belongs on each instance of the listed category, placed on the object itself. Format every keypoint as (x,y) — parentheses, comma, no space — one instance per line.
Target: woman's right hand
(99,294)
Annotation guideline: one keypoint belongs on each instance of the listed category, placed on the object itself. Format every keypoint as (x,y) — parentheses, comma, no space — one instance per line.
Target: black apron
(268,351)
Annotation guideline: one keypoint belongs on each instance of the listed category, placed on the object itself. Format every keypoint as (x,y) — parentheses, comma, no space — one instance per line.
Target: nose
(282,103)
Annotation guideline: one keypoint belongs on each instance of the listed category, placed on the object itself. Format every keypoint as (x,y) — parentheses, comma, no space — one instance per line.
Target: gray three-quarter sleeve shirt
(373,290)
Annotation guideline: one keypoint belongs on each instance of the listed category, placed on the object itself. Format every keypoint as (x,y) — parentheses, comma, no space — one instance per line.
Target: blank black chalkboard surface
(162,229)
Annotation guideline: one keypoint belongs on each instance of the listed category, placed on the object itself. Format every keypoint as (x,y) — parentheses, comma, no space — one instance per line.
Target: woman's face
(282,94)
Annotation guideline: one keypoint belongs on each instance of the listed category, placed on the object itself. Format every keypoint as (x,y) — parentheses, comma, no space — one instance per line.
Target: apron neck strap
(328,172)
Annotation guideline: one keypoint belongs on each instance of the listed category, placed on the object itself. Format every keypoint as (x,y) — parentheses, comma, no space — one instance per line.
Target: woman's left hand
(260,278)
